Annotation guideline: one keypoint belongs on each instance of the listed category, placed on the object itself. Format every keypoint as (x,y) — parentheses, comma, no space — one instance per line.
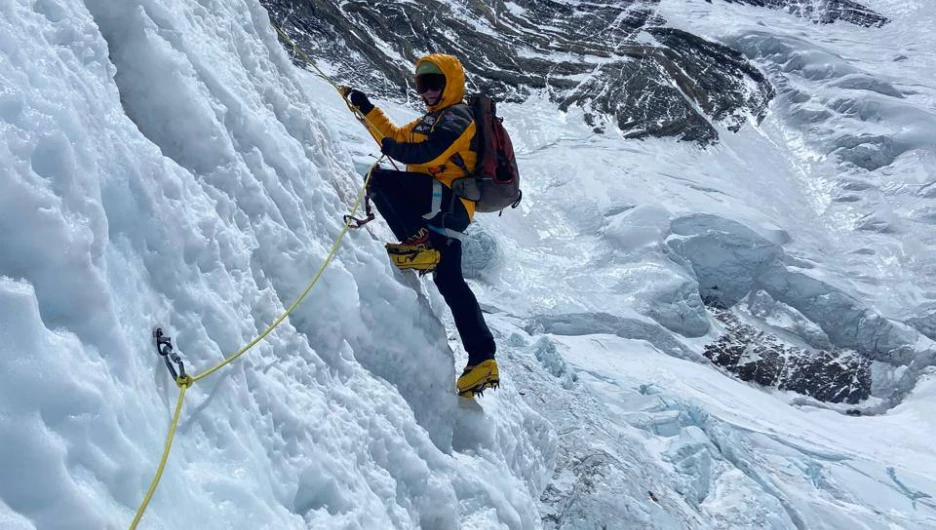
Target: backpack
(495,182)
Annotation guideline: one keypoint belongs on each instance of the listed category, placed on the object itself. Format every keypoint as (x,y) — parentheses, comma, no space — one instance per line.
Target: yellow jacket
(433,143)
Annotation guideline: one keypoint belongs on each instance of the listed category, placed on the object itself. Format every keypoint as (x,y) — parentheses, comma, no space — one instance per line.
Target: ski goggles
(426,82)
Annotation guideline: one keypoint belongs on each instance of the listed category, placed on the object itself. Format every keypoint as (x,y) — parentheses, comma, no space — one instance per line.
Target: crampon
(475,379)
(478,390)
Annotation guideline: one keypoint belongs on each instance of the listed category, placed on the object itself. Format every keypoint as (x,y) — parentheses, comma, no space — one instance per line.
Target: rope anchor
(164,348)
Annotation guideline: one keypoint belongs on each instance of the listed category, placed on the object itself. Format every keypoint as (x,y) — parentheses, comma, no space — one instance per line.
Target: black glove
(388,146)
(359,100)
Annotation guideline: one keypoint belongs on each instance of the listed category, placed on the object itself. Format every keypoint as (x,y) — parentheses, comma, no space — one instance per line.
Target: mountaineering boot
(475,378)
(419,240)
(415,253)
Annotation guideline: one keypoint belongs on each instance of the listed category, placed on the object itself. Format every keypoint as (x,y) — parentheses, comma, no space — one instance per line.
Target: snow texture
(164,163)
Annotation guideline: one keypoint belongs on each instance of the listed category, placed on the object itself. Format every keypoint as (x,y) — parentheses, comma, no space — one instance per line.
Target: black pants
(402,199)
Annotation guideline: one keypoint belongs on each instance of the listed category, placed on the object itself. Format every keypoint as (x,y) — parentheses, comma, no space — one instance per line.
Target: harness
(436,204)
(436,208)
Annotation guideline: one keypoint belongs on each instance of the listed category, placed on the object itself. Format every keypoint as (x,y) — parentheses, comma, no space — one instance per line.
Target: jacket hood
(454,91)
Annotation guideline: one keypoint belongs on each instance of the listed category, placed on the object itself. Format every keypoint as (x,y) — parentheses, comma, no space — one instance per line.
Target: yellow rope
(301,297)
(185,382)
(357,112)
(305,57)
(165,456)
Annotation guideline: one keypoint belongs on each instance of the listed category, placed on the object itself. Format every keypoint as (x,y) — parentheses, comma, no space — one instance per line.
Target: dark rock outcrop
(825,11)
(834,376)
(611,57)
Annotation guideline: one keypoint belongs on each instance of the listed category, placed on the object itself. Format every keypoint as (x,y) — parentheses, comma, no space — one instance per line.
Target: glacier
(164,163)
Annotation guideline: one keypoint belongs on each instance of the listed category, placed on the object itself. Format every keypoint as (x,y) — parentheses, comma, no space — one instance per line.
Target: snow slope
(164,164)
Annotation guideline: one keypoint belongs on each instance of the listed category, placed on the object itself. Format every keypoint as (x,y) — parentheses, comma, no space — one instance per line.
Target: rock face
(611,57)
(824,11)
(835,376)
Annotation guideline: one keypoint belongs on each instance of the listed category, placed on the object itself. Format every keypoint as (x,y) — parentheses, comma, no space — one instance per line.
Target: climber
(420,208)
